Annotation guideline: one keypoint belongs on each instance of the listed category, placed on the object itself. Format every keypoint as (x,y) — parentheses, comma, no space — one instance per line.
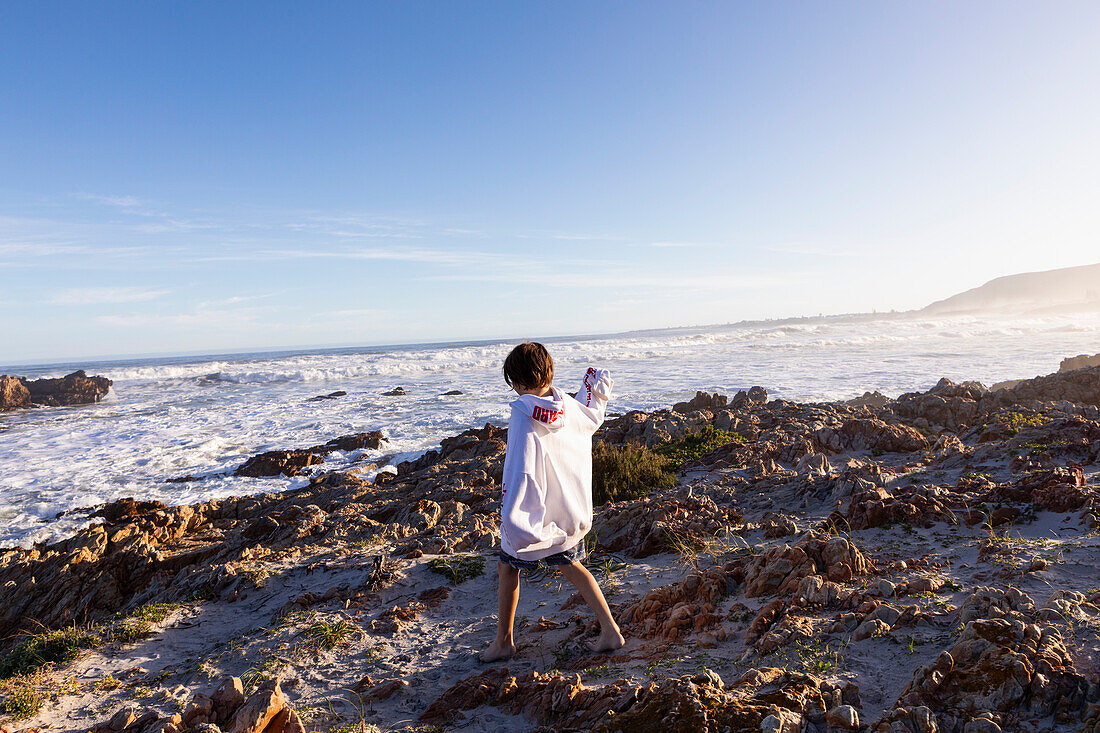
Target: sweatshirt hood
(549,411)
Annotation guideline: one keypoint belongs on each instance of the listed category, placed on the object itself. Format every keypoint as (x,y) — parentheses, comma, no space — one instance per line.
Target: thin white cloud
(234,300)
(101,296)
(809,250)
(608,279)
(121,202)
(210,319)
(681,244)
(397,254)
(565,236)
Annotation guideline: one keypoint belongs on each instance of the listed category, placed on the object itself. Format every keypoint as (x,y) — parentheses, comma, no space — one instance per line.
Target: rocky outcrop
(701,401)
(13,393)
(227,709)
(648,525)
(329,396)
(1056,489)
(1080,386)
(780,570)
(686,418)
(765,699)
(72,389)
(676,610)
(915,504)
(292,462)
(1081,361)
(870,434)
(947,405)
(1005,671)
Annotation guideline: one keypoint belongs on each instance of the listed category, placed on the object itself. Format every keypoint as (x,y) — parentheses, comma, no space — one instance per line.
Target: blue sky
(210,176)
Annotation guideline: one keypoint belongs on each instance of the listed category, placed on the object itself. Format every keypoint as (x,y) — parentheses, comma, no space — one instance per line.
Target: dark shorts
(565,557)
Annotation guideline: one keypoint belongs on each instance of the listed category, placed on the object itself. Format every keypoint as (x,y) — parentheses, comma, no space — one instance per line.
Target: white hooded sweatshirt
(546,501)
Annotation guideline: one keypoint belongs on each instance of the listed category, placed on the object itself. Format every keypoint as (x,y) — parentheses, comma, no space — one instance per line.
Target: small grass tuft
(458,569)
(329,635)
(48,647)
(154,612)
(131,630)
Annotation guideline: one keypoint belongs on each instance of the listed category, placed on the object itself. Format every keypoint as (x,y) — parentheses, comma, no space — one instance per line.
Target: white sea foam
(204,416)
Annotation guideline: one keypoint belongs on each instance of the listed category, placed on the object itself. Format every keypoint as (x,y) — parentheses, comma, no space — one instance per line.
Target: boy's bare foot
(496,652)
(607,642)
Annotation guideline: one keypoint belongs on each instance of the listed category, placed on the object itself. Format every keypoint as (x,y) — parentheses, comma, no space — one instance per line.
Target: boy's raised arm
(595,392)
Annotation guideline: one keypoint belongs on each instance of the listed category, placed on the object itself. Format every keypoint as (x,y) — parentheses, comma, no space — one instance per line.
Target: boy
(546,496)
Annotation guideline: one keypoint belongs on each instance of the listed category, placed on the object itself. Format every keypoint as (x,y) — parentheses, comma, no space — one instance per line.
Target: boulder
(13,393)
(72,389)
(329,396)
(292,462)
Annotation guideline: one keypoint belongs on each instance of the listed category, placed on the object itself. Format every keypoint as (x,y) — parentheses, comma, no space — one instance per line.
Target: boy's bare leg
(610,636)
(507,600)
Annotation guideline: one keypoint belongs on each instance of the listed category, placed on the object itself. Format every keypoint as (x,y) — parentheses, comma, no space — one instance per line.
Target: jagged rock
(291,462)
(13,393)
(870,434)
(1000,669)
(452,393)
(1081,361)
(875,506)
(984,603)
(1069,607)
(644,526)
(780,570)
(275,462)
(869,399)
(777,524)
(259,712)
(395,392)
(1056,489)
(947,404)
(72,389)
(264,711)
(688,606)
(329,396)
(653,428)
(844,717)
(688,704)
(701,401)
(868,629)
(1080,386)
(226,699)
(758,395)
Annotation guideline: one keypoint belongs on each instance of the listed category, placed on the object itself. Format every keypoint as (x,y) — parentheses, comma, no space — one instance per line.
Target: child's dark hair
(529,366)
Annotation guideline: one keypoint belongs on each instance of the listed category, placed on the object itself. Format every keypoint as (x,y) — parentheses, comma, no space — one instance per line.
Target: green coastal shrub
(131,630)
(49,647)
(623,472)
(22,702)
(696,445)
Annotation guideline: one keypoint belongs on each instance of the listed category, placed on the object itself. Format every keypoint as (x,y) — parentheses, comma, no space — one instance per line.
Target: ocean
(168,417)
